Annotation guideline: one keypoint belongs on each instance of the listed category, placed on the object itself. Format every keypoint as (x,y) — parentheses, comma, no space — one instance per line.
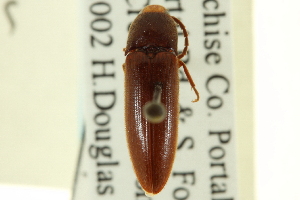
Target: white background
(277,85)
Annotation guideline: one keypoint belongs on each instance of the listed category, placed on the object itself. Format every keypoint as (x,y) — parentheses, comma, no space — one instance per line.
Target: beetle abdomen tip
(149,194)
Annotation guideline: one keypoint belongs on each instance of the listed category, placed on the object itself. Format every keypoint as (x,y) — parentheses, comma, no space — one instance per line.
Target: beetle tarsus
(189,77)
(197,94)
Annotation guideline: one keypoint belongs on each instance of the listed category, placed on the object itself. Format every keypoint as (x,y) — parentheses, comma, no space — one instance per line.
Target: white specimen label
(205,163)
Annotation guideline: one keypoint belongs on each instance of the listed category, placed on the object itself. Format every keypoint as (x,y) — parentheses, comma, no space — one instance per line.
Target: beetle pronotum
(151,95)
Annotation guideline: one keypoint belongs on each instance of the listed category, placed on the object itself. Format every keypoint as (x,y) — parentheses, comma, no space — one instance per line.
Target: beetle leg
(185,34)
(189,77)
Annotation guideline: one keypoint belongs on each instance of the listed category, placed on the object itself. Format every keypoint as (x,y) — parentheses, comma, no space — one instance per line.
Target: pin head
(155,112)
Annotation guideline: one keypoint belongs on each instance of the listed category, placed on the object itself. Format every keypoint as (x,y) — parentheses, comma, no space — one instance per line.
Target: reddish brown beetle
(151,95)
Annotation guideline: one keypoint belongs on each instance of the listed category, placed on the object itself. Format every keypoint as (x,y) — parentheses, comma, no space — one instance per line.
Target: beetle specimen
(151,95)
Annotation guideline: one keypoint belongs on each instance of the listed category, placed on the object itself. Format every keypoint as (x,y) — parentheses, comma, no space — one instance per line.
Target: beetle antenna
(155,111)
(185,34)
